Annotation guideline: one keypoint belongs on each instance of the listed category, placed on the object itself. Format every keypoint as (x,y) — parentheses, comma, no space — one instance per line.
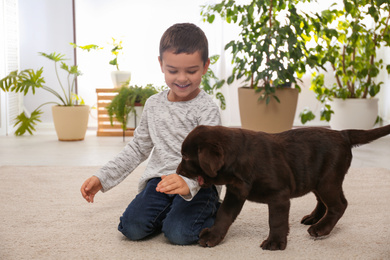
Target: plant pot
(120,77)
(133,121)
(272,118)
(354,113)
(70,122)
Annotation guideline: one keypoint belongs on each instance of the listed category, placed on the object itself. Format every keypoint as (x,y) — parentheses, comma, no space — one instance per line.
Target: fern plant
(29,80)
(124,103)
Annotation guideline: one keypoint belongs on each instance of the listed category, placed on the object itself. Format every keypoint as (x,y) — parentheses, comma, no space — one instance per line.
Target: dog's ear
(210,159)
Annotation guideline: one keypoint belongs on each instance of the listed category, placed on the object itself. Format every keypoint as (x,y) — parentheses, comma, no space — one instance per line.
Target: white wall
(45,26)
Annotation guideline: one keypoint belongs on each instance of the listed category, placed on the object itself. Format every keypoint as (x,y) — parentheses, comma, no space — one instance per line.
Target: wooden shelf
(104,97)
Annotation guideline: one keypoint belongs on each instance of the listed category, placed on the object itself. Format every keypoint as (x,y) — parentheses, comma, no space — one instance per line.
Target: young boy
(167,202)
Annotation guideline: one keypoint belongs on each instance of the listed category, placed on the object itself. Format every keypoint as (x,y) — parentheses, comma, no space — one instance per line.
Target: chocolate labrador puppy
(271,169)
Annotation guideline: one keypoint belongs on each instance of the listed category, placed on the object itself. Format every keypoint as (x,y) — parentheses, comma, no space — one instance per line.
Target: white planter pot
(133,121)
(354,113)
(70,122)
(120,77)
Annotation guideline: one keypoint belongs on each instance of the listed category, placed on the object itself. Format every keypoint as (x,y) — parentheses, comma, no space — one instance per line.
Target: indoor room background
(32,26)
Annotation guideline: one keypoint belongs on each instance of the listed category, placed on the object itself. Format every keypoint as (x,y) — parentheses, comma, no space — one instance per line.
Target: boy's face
(183,74)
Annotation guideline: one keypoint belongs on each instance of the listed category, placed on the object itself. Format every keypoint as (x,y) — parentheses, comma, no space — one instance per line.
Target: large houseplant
(269,55)
(29,80)
(348,39)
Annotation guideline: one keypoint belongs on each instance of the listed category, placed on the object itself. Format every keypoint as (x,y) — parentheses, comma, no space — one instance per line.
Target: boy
(167,202)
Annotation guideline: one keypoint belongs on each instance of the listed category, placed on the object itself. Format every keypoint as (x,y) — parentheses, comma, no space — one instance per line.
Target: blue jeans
(181,221)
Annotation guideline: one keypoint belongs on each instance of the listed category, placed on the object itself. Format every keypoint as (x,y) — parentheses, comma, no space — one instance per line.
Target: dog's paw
(309,220)
(319,231)
(274,245)
(207,238)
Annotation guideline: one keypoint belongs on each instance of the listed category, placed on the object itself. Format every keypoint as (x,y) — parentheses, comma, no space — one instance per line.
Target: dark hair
(185,38)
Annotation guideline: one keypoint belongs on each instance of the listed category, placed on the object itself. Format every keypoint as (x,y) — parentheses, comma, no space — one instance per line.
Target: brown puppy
(271,169)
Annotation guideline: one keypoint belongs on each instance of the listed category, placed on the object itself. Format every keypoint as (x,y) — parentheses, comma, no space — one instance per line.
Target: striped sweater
(159,136)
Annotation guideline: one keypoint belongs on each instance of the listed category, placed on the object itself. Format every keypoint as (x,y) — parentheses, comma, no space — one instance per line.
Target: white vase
(354,113)
(120,77)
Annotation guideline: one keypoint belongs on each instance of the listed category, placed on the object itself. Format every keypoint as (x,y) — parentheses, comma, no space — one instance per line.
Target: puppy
(271,169)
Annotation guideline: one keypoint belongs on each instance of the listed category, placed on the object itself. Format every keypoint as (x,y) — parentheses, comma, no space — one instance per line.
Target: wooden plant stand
(104,97)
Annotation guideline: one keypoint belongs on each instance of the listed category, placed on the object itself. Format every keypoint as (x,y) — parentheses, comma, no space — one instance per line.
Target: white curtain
(10,103)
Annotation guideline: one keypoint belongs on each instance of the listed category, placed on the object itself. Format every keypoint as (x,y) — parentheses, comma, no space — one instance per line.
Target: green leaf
(214,59)
(230,79)
(113,62)
(86,47)
(10,80)
(211,18)
(74,70)
(268,99)
(326,113)
(23,81)
(222,100)
(53,56)
(64,66)
(306,115)
(27,123)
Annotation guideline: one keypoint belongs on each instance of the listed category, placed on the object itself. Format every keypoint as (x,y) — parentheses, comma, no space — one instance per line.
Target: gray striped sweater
(161,131)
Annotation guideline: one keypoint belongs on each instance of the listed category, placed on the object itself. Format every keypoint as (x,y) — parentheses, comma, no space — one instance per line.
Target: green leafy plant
(30,80)
(125,101)
(211,83)
(271,49)
(347,40)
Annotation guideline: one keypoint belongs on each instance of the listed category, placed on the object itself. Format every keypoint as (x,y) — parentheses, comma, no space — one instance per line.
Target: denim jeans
(181,221)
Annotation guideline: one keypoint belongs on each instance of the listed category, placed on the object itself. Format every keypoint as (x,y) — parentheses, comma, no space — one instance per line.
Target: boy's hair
(185,38)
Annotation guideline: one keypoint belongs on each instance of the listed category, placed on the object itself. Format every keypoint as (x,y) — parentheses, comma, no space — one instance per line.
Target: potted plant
(119,77)
(124,104)
(270,55)
(70,119)
(348,40)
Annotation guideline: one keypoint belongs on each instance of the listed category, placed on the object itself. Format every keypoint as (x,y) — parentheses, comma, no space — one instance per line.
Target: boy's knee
(180,235)
(134,230)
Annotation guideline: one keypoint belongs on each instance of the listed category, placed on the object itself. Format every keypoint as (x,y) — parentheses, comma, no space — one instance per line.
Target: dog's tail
(359,137)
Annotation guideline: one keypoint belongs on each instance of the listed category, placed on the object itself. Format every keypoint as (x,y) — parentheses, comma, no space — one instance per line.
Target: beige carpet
(43,216)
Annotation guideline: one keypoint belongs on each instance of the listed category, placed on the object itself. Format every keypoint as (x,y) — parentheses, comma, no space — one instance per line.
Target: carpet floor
(43,216)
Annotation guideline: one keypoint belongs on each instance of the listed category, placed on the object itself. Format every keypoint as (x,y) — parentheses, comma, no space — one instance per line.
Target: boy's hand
(90,187)
(173,184)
